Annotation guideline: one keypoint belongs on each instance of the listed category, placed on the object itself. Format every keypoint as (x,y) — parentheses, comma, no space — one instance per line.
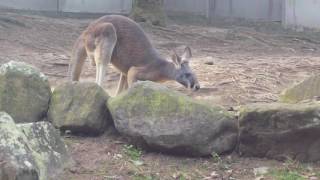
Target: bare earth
(251,63)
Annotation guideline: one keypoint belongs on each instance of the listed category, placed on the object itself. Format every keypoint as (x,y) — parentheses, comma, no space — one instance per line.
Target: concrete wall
(301,13)
(265,10)
(37,5)
(95,6)
(293,13)
(84,6)
(197,7)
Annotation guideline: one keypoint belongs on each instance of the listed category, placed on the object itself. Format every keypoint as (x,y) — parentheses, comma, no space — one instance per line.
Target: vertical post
(212,9)
(122,8)
(284,13)
(270,10)
(58,6)
(231,8)
(208,9)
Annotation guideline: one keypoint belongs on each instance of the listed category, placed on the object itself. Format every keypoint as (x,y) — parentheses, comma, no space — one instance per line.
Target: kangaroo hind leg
(105,41)
(123,84)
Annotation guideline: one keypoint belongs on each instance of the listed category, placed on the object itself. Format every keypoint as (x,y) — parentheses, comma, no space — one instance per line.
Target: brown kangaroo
(121,41)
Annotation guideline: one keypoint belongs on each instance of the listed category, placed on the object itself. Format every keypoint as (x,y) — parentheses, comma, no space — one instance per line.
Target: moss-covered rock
(165,120)
(30,151)
(280,131)
(24,92)
(52,155)
(80,108)
(305,90)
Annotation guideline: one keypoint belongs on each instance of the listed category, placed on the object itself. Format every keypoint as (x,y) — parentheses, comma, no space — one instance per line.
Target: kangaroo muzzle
(196,87)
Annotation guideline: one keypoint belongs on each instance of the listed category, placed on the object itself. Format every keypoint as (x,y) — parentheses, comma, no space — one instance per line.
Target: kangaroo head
(184,74)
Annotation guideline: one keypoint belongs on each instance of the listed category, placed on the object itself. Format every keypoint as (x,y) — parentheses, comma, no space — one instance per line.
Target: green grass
(222,165)
(216,158)
(132,152)
(286,175)
(143,177)
(292,170)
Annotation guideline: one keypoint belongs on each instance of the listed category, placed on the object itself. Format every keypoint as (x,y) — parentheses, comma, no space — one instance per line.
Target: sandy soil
(252,62)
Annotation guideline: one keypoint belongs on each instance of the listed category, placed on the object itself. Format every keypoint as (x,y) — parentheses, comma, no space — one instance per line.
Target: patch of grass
(283,174)
(144,177)
(132,152)
(292,170)
(216,158)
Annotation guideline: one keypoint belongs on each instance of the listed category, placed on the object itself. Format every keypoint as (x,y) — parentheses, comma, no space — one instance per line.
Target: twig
(234,99)
(164,29)
(237,84)
(59,64)
(56,75)
(303,39)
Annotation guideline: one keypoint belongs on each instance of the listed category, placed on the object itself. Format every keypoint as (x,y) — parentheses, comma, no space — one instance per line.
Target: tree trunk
(150,11)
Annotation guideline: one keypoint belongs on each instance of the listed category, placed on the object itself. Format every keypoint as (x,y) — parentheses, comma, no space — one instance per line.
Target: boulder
(164,120)
(30,151)
(80,108)
(280,131)
(306,90)
(24,92)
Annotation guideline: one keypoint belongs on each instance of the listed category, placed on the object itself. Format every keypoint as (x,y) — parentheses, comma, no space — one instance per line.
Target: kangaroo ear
(176,59)
(187,54)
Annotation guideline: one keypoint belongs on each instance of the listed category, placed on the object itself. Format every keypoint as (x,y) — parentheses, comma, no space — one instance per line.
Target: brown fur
(118,40)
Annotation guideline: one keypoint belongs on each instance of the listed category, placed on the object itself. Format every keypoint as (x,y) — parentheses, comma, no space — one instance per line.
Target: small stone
(138,163)
(260,171)
(73,170)
(209,60)
(209,63)
(313,178)
(214,174)
(118,156)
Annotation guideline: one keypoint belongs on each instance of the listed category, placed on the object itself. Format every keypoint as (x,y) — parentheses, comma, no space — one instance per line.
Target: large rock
(80,108)
(24,92)
(279,131)
(165,120)
(305,90)
(30,151)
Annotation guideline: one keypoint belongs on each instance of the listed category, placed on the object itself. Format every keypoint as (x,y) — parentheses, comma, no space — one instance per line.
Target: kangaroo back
(133,48)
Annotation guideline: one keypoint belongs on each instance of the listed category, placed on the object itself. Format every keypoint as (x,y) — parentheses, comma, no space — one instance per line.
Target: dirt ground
(251,62)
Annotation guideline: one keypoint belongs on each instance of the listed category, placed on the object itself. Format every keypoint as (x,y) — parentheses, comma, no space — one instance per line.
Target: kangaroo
(122,42)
